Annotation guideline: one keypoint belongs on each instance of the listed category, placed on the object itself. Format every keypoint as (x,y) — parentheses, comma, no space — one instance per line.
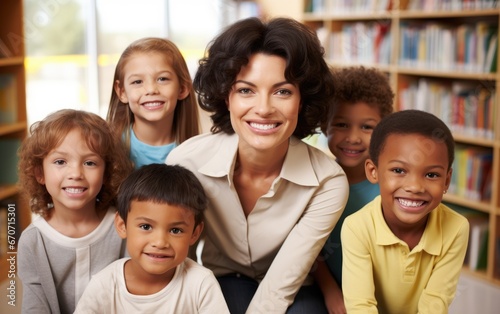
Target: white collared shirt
(280,239)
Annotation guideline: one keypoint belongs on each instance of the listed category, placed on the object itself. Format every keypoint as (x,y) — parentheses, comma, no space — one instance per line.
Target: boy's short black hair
(161,183)
(411,122)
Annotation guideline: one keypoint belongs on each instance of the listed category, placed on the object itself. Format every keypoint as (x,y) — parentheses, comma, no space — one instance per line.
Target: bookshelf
(440,56)
(14,212)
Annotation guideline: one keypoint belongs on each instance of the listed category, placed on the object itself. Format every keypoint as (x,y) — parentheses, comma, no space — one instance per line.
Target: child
(160,212)
(70,169)
(362,98)
(403,251)
(153,105)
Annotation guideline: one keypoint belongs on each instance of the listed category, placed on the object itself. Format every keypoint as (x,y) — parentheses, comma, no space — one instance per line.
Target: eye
(340,125)
(136,82)
(398,170)
(244,91)
(433,175)
(367,127)
(90,163)
(163,79)
(145,227)
(283,92)
(59,162)
(176,231)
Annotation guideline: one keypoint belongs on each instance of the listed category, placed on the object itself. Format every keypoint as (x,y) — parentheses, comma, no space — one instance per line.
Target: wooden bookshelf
(13,125)
(332,18)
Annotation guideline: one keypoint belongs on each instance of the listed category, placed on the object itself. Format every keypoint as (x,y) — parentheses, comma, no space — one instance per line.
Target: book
(8,98)
(9,160)
(478,235)
(490,62)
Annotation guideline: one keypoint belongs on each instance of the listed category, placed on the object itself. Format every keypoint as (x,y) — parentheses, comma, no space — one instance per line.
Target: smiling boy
(160,210)
(403,251)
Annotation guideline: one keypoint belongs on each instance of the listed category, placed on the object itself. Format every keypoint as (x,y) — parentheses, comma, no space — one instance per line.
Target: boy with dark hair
(403,251)
(160,210)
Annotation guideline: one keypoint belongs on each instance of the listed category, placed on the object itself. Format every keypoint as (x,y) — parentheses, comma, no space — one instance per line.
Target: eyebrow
(149,220)
(57,152)
(252,84)
(407,163)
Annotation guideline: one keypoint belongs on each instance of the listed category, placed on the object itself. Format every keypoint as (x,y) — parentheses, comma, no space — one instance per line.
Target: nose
(414,184)
(353,136)
(264,106)
(75,172)
(159,240)
(150,87)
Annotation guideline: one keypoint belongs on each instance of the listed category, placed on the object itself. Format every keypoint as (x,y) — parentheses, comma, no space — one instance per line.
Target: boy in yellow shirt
(403,251)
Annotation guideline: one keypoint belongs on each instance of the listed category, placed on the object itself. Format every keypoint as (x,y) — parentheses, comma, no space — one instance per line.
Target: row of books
(477,250)
(472,175)
(454,5)
(464,48)
(361,43)
(367,6)
(467,108)
(340,7)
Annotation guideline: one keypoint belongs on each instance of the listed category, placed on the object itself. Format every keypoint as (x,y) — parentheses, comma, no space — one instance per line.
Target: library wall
(441,57)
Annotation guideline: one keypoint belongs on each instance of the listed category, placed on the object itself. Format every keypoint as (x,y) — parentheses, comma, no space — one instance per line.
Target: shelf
(447,74)
(7,129)
(7,191)
(11,61)
(12,134)
(379,37)
(404,14)
(480,206)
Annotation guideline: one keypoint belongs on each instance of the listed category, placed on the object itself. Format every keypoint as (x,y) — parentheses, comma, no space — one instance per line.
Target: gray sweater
(55,269)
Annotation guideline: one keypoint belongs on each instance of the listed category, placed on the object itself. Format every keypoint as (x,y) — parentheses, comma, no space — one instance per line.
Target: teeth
(74,190)
(152,104)
(351,151)
(408,203)
(156,256)
(263,126)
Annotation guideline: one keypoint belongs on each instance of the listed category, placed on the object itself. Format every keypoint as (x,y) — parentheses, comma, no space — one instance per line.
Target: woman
(273,198)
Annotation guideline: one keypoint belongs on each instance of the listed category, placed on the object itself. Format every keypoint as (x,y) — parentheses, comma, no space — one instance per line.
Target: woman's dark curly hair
(47,134)
(284,37)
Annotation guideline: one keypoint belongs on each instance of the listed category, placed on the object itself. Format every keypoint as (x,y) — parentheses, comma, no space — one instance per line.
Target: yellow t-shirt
(381,275)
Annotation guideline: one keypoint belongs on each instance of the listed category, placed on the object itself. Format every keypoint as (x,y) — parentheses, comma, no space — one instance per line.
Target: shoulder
(450,220)
(365,219)
(201,147)
(193,269)
(30,235)
(111,273)
(323,165)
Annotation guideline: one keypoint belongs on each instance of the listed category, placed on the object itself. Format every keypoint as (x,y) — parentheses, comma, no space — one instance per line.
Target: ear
(371,171)
(196,233)
(120,91)
(448,179)
(183,92)
(39,176)
(120,226)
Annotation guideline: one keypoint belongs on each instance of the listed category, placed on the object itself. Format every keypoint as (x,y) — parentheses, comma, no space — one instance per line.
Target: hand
(334,302)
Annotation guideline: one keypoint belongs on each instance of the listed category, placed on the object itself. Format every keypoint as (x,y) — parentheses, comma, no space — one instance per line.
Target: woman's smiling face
(264,107)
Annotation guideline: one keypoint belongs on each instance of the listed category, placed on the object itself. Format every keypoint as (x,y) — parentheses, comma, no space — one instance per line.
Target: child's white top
(193,289)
